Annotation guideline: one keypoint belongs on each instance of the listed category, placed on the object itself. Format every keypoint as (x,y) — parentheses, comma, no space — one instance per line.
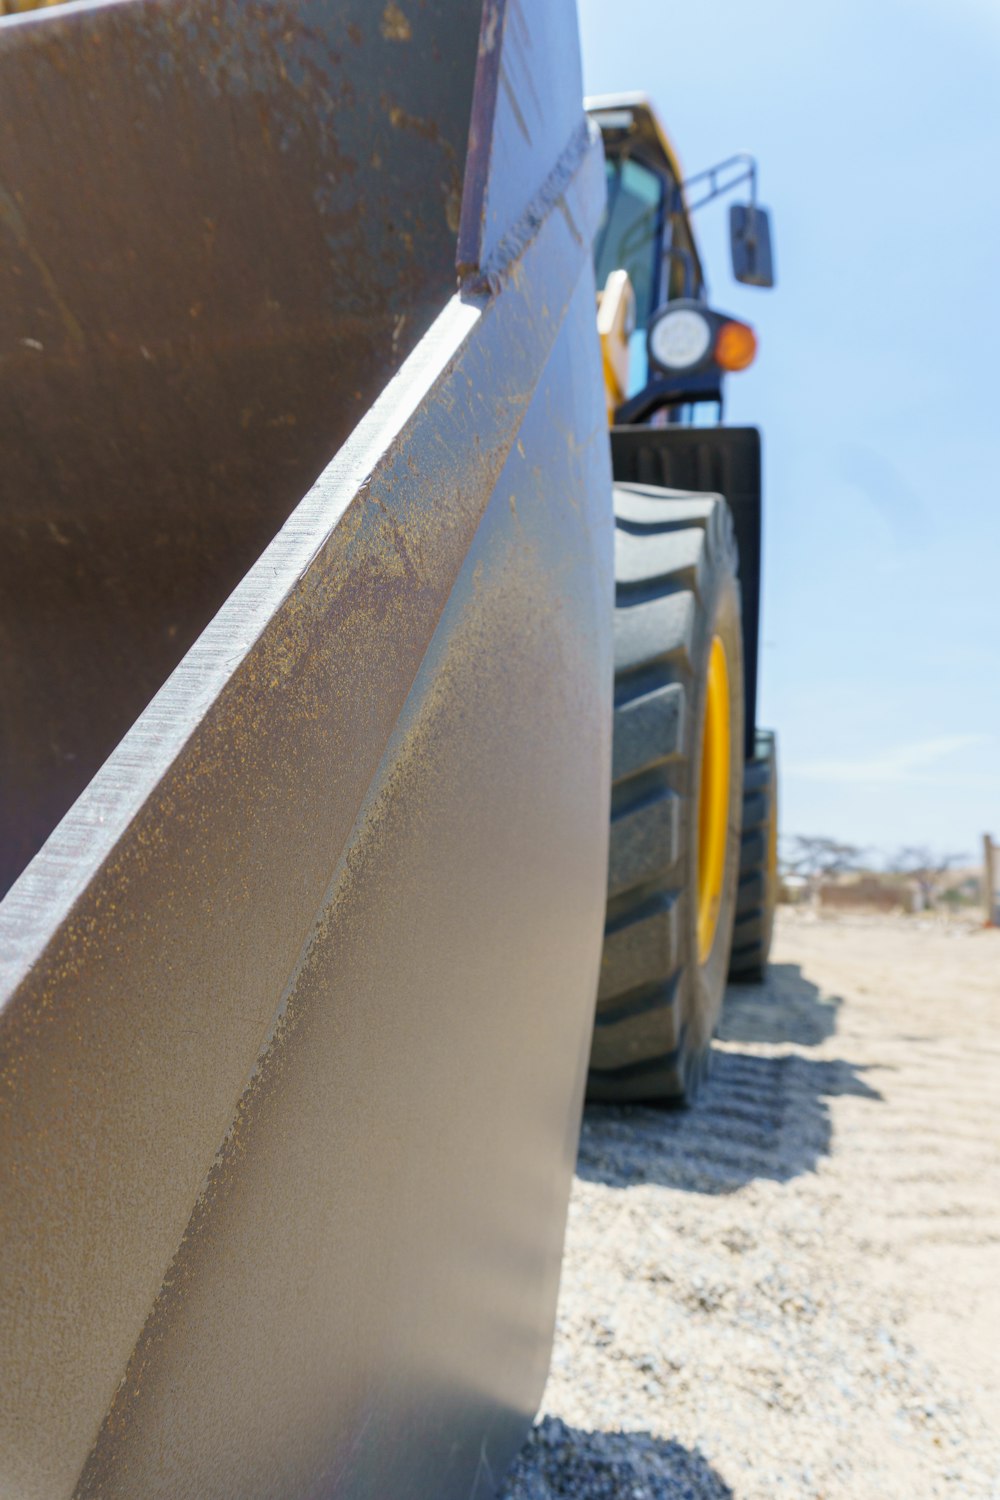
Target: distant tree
(817,858)
(925,867)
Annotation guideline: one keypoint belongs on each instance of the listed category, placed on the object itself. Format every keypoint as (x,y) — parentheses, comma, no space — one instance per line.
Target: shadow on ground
(758,1116)
(559,1461)
(788,1008)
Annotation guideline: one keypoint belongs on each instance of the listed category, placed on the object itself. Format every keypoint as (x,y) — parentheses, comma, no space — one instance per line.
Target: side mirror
(750,245)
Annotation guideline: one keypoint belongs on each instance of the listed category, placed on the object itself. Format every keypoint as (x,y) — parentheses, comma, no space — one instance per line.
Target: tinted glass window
(630,231)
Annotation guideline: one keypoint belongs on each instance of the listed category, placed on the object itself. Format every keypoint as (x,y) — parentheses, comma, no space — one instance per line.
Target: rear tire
(660,996)
(757,891)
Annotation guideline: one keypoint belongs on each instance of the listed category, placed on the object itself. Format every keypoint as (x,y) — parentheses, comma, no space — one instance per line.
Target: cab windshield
(630,232)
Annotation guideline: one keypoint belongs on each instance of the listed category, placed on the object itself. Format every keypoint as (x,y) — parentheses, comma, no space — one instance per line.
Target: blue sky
(877,130)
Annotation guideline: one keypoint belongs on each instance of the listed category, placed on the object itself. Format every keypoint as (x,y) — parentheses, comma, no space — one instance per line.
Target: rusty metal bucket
(305,694)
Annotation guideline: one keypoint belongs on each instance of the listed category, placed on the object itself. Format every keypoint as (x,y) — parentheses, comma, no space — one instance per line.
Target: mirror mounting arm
(742,164)
(749,224)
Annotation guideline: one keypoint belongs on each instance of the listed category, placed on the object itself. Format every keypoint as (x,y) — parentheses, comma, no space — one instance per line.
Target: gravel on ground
(794,1287)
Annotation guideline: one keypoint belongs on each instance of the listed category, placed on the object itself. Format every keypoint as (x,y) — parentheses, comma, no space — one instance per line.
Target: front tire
(676,794)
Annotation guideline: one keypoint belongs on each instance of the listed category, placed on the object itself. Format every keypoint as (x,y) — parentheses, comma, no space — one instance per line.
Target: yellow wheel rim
(713,799)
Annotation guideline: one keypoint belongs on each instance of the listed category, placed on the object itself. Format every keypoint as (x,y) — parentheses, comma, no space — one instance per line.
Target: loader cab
(666,351)
(645,230)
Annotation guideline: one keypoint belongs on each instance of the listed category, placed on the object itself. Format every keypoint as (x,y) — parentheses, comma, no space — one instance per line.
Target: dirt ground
(794,1288)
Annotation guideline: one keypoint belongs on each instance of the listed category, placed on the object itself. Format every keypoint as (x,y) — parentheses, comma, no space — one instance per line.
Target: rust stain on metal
(12,220)
(18,7)
(395,27)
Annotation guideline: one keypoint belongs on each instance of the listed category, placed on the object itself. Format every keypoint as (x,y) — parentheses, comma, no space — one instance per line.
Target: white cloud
(902,763)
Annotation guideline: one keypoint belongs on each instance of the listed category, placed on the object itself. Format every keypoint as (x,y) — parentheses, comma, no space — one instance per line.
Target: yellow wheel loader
(314,699)
(692,876)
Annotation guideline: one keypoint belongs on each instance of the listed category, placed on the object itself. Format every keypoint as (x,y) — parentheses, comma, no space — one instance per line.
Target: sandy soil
(794,1288)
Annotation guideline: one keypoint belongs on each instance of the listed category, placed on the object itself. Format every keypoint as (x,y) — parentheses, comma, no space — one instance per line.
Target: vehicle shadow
(786,1008)
(759,1115)
(559,1461)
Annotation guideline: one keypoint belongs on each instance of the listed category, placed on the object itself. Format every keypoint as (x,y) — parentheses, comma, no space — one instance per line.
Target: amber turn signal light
(735,346)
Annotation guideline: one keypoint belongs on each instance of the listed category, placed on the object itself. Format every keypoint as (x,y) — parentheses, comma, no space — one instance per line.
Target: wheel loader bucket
(304,754)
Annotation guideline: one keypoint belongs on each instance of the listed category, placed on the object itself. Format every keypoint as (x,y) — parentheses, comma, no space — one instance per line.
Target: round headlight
(680,339)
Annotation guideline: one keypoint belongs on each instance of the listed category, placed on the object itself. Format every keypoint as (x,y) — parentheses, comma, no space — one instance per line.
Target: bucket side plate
(299,993)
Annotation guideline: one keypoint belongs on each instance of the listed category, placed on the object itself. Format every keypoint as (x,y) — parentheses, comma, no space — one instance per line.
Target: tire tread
(664,542)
